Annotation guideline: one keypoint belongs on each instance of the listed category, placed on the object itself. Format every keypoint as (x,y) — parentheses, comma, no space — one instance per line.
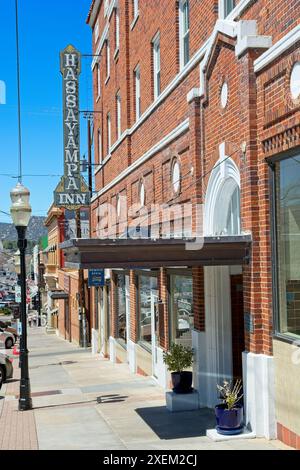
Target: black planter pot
(229,422)
(182,382)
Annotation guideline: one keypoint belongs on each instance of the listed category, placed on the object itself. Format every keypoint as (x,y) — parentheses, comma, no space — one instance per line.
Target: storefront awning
(148,253)
(58,295)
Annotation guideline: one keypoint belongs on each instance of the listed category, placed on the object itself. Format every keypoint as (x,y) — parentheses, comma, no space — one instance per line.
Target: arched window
(222,204)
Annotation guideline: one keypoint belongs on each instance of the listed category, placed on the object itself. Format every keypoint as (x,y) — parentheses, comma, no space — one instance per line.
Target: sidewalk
(82,402)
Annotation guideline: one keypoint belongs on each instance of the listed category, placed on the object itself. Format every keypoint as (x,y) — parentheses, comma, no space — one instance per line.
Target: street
(85,402)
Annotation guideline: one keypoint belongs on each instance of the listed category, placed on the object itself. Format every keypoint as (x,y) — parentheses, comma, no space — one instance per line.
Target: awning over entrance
(147,253)
(58,295)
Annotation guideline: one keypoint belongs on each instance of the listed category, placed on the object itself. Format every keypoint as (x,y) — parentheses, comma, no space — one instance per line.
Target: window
(106,6)
(176,176)
(98,81)
(118,107)
(142,194)
(121,307)
(117,29)
(146,286)
(286,179)
(135,8)
(108,133)
(99,146)
(107,59)
(184,32)
(96,31)
(226,7)
(182,309)
(156,66)
(137,79)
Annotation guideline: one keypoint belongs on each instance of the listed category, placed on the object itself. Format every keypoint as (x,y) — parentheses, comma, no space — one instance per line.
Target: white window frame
(137,81)
(135,9)
(156,66)
(117,29)
(119,110)
(97,31)
(106,8)
(107,59)
(100,146)
(108,125)
(222,9)
(183,34)
(98,81)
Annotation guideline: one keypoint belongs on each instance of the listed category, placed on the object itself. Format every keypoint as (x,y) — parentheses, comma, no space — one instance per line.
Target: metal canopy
(147,253)
(58,295)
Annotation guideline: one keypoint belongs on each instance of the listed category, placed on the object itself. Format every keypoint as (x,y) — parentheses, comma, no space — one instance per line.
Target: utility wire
(19,94)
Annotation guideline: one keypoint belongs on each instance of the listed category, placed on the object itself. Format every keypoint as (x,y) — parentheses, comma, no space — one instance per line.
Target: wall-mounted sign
(18,294)
(96,278)
(72,191)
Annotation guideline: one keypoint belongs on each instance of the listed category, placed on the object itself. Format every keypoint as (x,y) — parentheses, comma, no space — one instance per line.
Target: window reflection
(288,247)
(182,309)
(147,285)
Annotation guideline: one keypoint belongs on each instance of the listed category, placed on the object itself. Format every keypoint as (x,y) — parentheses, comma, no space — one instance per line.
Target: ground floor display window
(147,285)
(181,308)
(286,220)
(121,307)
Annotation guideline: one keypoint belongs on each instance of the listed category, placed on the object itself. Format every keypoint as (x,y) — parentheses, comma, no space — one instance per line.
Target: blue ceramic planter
(229,422)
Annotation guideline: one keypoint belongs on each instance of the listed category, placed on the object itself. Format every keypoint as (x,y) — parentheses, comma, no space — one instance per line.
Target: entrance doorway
(155,332)
(67,316)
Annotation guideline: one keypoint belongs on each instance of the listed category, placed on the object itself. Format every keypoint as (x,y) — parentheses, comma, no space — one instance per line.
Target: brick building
(197,104)
(62,284)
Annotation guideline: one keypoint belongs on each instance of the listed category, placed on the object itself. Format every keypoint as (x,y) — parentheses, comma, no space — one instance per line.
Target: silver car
(7,340)
(6,368)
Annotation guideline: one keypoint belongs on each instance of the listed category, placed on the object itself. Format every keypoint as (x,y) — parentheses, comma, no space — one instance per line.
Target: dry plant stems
(230,395)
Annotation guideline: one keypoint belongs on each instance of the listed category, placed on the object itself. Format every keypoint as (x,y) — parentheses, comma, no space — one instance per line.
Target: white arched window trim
(224,180)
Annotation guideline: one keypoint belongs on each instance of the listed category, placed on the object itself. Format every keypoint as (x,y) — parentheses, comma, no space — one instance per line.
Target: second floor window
(184,32)
(228,6)
(135,8)
(99,146)
(107,58)
(118,104)
(108,133)
(117,29)
(137,77)
(97,31)
(156,66)
(98,81)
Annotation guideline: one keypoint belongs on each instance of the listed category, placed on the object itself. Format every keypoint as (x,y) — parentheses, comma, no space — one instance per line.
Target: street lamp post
(21,212)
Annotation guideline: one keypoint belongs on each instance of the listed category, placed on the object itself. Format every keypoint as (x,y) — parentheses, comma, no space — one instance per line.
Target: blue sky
(45,28)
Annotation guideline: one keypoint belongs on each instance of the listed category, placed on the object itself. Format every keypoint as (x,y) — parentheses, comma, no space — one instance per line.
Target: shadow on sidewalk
(178,425)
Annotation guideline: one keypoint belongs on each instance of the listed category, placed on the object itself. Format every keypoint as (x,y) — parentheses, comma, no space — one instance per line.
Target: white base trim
(112,350)
(259,391)
(131,356)
(95,341)
(163,376)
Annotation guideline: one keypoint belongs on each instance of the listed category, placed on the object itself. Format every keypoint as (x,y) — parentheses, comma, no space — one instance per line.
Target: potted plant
(229,414)
(177,359)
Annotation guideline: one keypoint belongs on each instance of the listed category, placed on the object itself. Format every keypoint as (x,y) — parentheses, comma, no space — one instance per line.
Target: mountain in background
(35,230)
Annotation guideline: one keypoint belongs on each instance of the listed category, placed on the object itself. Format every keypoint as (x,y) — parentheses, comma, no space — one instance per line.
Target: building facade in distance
(197,106)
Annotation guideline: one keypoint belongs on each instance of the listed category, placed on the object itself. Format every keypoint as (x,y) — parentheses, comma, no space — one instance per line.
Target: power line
(19,94)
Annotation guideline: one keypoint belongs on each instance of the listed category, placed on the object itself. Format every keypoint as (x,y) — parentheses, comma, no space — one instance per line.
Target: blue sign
(96,278)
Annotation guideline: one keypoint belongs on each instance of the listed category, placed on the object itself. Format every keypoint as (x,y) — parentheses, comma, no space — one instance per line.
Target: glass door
(154,330)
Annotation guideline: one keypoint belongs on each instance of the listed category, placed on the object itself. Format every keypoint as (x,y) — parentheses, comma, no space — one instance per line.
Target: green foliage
(230,394)
(178,358)
(5,311)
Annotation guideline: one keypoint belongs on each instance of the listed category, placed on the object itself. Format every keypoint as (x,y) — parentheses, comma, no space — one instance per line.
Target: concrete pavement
(84,402)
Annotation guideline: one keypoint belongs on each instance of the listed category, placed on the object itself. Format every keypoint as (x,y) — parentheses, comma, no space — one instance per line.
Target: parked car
(6,326)
(6,368)
(7,340)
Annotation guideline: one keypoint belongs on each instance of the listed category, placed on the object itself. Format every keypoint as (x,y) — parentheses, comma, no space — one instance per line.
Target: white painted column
(259,394)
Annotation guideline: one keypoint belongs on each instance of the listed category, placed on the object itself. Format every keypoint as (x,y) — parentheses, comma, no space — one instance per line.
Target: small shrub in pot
(177,359)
